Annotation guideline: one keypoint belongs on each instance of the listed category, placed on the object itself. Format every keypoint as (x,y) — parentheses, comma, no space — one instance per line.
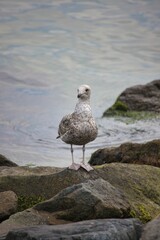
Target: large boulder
(151,230)
(106,229)
(42,182)
(92,199)
(8,204)
(142,153)
(89,200)
(138,98)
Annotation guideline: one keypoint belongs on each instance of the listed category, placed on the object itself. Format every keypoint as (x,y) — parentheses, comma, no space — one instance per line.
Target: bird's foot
(74,166)
(86,166)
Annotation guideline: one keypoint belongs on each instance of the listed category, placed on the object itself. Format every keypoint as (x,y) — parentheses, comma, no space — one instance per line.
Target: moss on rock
(141,213)
(132,115)
(118,108)
(25,202)
(137,183)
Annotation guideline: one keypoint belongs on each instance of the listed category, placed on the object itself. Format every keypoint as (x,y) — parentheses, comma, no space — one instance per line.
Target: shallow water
(48,48)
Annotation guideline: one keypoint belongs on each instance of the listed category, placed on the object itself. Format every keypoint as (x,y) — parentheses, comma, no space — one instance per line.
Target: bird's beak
(79,95)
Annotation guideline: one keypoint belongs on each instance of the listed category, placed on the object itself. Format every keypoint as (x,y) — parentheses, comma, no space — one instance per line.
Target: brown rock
(152,230)
(8,204)
(6,162)
(145,153)
(39,181)
(137,102)
(142,97)
(26,218)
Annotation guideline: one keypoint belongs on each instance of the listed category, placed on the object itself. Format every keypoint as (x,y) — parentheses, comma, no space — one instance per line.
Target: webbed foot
(86,166)
(74,166)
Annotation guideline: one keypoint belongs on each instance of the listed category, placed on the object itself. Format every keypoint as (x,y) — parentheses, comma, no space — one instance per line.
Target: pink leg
(84,165)
(73,166)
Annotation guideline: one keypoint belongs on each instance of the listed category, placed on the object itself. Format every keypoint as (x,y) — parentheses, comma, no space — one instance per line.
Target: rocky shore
(126,196)
(119,199)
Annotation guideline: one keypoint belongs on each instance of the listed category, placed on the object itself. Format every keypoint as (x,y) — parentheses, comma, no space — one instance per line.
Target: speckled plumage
(79,128)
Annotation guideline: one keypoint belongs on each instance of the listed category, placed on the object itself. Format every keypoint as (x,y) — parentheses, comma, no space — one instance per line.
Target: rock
(8,204)
(138,98)
(6,162)
(145,153)
(106,229)
(89,200)
(151,230)
(140,185)
(29,217)
(52,179)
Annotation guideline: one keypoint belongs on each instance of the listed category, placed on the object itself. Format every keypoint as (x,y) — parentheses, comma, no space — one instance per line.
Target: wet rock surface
(120,229)
(145,153)
(8,204)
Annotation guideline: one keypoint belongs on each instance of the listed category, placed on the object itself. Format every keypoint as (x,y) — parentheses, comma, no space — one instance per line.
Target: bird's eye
(87,89)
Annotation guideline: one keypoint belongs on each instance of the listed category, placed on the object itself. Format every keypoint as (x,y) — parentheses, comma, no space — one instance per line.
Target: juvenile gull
(79,128)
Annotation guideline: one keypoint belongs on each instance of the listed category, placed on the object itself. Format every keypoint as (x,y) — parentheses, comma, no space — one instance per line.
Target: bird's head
(84,92)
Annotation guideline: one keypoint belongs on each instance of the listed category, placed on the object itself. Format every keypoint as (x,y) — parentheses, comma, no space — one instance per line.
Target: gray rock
(152,230)
(90,200)
(119,229)
(8,204)
(6,162)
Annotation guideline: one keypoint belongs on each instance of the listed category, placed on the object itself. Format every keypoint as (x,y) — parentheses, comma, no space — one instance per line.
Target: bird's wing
(64,125)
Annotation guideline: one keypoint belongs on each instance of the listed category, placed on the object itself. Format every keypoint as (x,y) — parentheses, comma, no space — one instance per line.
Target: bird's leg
(74,166)
(84,165)
(72,154)
(83,149)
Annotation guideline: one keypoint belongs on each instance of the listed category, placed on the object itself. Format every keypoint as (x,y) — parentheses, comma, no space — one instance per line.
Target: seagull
(79,128)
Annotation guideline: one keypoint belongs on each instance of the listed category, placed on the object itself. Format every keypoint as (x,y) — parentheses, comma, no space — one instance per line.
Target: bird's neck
(83,106)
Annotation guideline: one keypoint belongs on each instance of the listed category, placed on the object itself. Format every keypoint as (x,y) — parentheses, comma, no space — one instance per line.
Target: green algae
(120,109)
(117,109)
(25,202)
(141,213)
